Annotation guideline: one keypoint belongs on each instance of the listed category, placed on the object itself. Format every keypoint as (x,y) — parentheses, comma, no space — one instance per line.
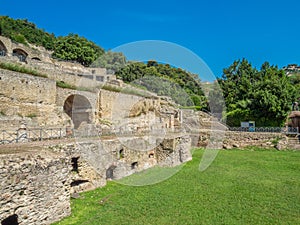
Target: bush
(62,84)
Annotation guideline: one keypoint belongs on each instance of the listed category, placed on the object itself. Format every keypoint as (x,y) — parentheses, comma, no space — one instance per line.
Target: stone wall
(75,75)
(31,51)
(234,139)
(94,162)
(34,188)
(115,105)
(26,88)
(39,59)
(27,98)
(131,113)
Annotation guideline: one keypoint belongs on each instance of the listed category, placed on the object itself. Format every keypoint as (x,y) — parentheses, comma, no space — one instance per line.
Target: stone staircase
(293,142)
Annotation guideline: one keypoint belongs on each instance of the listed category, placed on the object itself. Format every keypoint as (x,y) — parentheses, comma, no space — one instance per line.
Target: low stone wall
(243,139)
(233,139)
(34,188)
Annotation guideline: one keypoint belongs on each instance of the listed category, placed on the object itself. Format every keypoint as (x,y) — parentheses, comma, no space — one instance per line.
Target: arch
(21,54)
(3,49)
(79,109)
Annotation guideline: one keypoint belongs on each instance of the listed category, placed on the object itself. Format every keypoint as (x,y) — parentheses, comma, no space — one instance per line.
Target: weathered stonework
(128,134)
(96,161)
(233,139)
(34,187)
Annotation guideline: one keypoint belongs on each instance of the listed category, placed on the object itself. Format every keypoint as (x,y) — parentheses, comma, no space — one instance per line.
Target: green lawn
(239,187)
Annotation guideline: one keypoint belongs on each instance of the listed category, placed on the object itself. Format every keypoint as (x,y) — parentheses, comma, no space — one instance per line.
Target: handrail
(31,134)
(286,130)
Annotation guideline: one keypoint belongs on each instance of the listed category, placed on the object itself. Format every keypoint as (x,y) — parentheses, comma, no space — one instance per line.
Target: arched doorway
(21,54)
(3,49)
(79,109)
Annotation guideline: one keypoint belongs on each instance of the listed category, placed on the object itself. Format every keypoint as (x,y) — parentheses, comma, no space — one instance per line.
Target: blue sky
(217,31)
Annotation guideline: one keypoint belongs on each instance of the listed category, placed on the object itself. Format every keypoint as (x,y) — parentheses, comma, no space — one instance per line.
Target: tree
(25,32)
(173,82)
(263,95)
(112,61)
(75,48)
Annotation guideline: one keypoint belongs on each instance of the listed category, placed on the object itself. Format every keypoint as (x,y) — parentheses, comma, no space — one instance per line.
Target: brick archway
(79,109)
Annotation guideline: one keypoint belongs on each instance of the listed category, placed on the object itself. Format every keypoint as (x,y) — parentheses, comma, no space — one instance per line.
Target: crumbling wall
(34,187)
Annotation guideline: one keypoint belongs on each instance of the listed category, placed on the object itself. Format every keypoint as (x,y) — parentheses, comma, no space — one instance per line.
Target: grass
(21,69)
(107,87)
(62,84)
(31,115)
(196,107)
(240,187)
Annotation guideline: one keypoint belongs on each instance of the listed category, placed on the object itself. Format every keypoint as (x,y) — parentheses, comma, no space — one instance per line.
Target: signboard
(244,124)
(250,125)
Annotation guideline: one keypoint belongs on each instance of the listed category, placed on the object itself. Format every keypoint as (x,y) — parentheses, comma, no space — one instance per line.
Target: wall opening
(100,78)
(21,54)
(134,165)
(151,155)
(78,182)
(110,172)
(74,162)
(3,50)
(79,109)
(11,220)
(121,153)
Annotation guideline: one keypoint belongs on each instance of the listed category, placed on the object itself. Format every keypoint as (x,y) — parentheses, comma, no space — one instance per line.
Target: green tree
(112,61)
(263,95)
(179,81)
(76,48)
(25,32)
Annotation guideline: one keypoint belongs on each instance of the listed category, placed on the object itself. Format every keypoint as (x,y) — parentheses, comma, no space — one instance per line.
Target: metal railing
(32,134)
(285,130)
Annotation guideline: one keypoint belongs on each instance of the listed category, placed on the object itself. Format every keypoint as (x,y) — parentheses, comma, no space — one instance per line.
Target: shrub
(21,69)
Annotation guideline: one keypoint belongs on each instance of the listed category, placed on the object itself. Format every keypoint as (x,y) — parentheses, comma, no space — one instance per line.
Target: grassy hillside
(240,187)
(23,31)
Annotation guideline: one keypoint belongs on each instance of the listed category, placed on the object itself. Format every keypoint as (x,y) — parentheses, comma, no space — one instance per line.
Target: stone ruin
(104,135)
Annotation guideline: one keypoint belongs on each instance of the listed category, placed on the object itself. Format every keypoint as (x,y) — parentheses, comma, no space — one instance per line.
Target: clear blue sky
(218,31)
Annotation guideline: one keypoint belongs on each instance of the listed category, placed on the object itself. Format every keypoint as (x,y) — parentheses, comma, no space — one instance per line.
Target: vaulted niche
(21,54)
(79,109)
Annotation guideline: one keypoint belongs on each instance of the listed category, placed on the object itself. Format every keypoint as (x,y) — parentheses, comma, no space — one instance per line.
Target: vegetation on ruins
(250,186)
(21,69)
(76,48)
(63,84)
(182,86)
(23,31)
(112,61)
(264,95)
(71,47)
